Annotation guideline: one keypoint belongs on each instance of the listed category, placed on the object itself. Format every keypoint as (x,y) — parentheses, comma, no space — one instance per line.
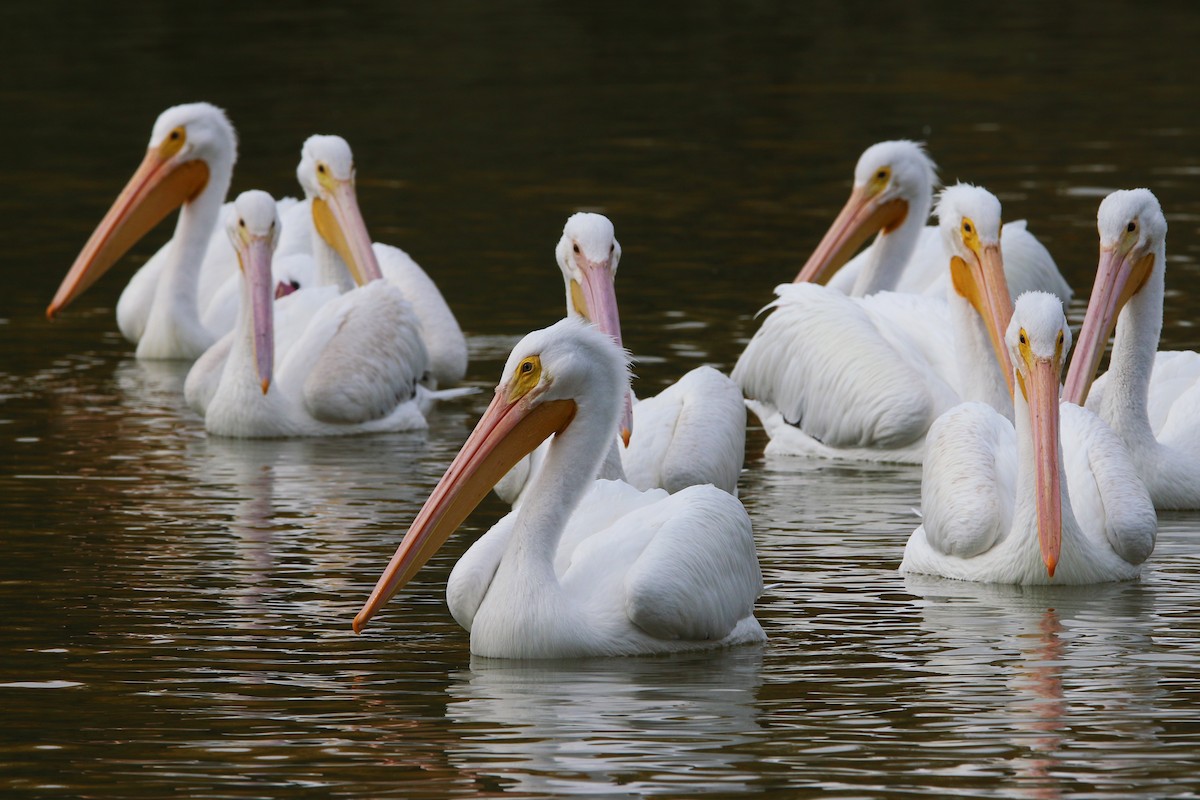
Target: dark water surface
(177,608)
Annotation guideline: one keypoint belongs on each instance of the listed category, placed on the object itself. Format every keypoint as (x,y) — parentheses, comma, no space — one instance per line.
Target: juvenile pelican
(580,568)
(1151,399)
(993,501)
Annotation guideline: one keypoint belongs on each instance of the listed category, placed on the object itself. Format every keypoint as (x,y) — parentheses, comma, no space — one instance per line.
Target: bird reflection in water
(610,726)
(1079,658)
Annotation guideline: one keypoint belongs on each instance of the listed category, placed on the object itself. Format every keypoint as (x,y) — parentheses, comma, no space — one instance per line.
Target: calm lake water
(177,608)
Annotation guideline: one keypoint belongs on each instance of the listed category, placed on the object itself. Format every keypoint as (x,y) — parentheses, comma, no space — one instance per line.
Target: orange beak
(160,185)
(861,218)
(1119,276)
(985,286)
(508,431)
(340,223)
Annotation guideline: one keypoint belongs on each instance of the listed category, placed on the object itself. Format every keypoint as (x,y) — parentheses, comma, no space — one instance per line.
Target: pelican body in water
(1152,399)
(995,507)
(355,368)
(863,378)
(691,433)
(581,567)
(893,193)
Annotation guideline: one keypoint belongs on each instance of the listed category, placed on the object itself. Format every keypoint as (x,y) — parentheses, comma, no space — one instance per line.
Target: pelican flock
(864,377)
(355,368)
(940,345)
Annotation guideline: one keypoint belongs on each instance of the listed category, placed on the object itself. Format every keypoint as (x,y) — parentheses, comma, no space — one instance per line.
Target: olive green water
(177,608)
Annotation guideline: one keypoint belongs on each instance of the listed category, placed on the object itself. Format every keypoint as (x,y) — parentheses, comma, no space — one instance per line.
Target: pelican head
(252,224)
(1133,235)
(588,254)
(1038,338)
(556,380)
(326,172)
(969,221)
(189,144)
(891,181)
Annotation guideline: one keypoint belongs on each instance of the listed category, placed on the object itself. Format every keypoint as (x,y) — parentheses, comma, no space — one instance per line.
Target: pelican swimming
(342,256)
(581,567)
(693,432)
(864,377)
(188,165)
(1151,399)
(994,505)
(892,196)
(355,369)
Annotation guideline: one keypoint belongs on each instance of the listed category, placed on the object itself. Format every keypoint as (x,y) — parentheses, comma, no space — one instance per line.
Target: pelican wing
(359,358)
(204,377)
(968,481)
(1028,265)
(691,433)
(698,575)
(852,372)
(443,337)
(1106,493)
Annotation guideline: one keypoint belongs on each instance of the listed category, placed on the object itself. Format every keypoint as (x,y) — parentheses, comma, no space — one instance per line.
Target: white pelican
(189,163)
(693,432)
(863,378)
(892,195)
(355,369)
(994,506)
(580,568)
(342,257)
(1152,400)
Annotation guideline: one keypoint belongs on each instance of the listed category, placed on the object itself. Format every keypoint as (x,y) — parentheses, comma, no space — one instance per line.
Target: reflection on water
(177,607)
(621,728)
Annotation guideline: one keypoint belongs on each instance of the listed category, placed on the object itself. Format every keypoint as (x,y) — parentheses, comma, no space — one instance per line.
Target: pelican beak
(862,217)
(1041,394)
(984,285)
(509,430)
(254,258)
(1119,276)
(159,186)
(594,297)
(341,225)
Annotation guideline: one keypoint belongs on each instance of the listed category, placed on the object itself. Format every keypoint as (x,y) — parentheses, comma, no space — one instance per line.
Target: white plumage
(892,196)
(691,433)
(355,368)
(1151,399)
(864,377)
(580,568)
(993,505)
(166,305)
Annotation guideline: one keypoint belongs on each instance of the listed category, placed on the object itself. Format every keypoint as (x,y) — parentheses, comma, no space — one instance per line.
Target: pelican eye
(882,175)
(527,366)
(1023,341)
(575,247)
(1131,227)
(966,227)
(612,248)
(175,134)
(241,223)
(321,168)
